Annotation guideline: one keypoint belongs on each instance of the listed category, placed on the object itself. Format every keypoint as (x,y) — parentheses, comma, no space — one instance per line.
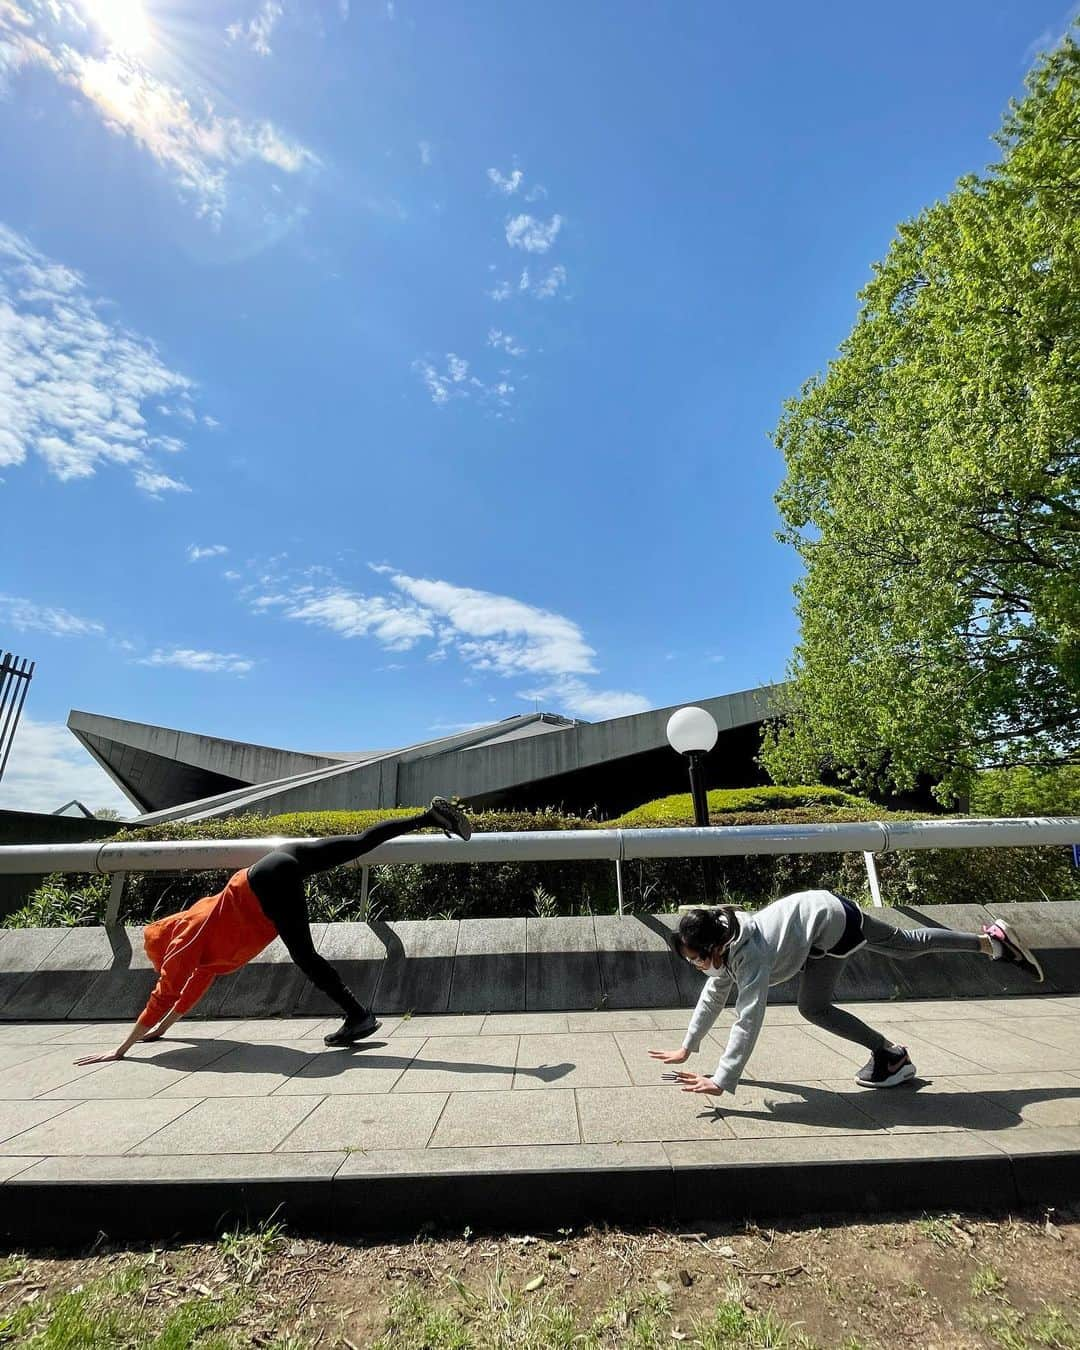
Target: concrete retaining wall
(500,965)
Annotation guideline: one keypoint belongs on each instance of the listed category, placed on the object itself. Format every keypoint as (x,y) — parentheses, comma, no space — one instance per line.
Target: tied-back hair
(705,930)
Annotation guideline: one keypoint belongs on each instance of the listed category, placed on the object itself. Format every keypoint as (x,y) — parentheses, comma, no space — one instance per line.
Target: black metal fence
(15,676)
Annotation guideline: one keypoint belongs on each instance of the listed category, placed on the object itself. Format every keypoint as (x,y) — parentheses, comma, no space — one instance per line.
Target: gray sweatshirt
(772,945)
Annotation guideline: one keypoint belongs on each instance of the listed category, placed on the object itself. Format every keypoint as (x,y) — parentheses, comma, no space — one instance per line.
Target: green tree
(933,484)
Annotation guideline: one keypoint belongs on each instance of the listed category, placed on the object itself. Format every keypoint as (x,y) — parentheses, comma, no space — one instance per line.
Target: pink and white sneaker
(1013,950)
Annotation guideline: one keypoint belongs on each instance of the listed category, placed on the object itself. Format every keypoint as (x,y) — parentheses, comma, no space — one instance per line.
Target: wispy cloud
(546,287)
(393,624)
(256,32)
(445,384)
(201,149)
(207,663)
(507,184)
(577,698)
(48,768)
(454,381)
(504,342)
(424,147)
(76,388)
(26,616)
(1050,36)
(502,290)
(196,554)
(491,634)
(532,235)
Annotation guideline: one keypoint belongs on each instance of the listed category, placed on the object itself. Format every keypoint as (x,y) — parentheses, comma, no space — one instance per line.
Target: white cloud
(454,382)
(532,235)
(447,384)
(576,698)
(491,634)
(504,342)
(424,148)
(507,185)
(211,663)
(195,553)
(256,33)
(499,634)
(199,148)
(551,284)
(48,768)
(395,625)
(24,616)
(501,291)
(76,388)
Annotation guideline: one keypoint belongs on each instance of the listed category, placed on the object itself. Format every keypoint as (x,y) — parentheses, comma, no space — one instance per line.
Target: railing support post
(618,882)
(872,877)
(116,894)
(365,877)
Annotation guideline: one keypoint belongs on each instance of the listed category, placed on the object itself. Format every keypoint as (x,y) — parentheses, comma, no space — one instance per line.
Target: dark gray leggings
(821,974)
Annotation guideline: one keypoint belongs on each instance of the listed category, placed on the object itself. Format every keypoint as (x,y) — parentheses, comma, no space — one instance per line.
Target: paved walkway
(535,1096)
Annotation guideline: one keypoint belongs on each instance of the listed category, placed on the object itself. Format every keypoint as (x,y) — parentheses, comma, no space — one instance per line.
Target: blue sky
(370,369)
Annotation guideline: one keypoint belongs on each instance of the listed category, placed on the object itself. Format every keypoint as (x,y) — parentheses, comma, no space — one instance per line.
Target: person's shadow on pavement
(320,1062)
(907,1104)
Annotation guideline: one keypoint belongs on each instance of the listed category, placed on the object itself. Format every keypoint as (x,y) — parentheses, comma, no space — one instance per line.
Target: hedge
(474,890)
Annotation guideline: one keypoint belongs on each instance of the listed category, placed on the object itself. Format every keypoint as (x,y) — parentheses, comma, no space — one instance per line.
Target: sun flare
(123,23)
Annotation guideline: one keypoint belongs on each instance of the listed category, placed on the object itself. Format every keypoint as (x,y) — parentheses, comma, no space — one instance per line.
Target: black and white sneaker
(450,819)
(353,1029)
(1014,951)
(886,1069)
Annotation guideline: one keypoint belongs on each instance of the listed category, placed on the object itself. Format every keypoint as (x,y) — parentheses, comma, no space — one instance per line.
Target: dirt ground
(942,1280)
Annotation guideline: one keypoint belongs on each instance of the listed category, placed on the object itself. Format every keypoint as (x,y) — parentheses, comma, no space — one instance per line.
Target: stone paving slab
(248,1118)
(371,1066)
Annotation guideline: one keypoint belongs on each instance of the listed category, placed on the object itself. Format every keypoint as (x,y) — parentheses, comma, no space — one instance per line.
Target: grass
(1048,1329)
(107,1314)
(248,1250)
(987,1283)
(501,1317)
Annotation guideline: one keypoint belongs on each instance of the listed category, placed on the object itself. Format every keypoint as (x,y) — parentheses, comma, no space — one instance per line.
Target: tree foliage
(933,484)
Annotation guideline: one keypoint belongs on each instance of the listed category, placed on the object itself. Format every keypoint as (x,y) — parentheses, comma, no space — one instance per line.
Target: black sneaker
(886,1069)
(450,818)
(353,1029)
(1013,950)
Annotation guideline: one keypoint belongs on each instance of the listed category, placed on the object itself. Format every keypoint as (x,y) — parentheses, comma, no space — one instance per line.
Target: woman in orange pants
(223,932)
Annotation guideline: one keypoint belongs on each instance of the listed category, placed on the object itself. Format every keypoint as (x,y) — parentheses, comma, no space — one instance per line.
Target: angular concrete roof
(528,760)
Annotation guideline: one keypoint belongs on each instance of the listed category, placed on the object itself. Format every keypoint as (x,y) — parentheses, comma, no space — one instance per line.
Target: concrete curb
(69,1201)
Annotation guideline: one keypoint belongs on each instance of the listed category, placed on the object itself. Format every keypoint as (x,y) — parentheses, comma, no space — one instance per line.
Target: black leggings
(278,882)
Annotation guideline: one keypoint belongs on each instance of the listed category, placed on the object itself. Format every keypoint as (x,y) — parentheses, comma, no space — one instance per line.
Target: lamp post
(692,732)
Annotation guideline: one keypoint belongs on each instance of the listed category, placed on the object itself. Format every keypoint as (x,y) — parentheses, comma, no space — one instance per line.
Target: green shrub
(679,809)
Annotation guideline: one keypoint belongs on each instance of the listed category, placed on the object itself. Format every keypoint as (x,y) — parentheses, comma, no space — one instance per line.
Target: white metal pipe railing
(564,845)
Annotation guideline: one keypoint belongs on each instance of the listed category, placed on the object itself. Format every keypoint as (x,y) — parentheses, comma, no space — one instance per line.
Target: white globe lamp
(692,731)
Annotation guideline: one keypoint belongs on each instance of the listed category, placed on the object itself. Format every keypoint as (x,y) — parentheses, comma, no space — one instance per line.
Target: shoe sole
(901,1075)
(351,1040)
(1023,949)
(457,822)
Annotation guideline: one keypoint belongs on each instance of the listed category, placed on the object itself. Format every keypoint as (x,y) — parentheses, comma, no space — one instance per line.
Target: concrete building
(531,760)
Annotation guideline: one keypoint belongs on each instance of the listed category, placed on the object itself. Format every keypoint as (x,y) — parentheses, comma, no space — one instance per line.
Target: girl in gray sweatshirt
(811,932)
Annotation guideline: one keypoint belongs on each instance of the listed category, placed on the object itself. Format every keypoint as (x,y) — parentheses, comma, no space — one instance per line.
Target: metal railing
(870,838)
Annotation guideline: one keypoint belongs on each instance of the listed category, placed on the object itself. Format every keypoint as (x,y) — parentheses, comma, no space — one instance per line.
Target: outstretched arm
(145,1029)
(138,1033)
